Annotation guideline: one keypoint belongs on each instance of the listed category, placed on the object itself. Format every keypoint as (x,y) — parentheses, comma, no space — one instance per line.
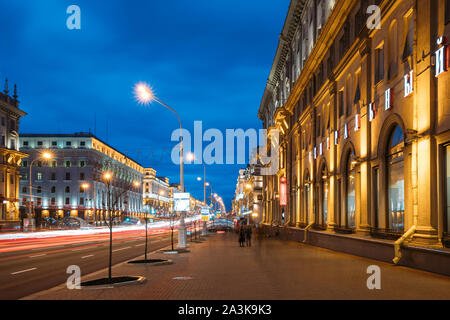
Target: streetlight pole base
(182,236)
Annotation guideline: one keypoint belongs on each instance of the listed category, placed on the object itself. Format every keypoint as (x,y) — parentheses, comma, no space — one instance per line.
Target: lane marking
(121,249)
(91,255)
(38,255)
(80,249)
(22,271)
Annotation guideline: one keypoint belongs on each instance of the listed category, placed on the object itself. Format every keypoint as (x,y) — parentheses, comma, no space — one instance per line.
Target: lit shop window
(350,191)
(447,156)
(396,180)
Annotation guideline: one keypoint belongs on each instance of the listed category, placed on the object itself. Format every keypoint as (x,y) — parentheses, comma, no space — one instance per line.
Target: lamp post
(45,156)
(145,95)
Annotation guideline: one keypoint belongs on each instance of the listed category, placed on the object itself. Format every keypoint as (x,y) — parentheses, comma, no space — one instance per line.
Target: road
(32,265)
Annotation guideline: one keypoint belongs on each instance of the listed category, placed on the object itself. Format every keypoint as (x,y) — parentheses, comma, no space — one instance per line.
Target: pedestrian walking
(248,236)
(241,236)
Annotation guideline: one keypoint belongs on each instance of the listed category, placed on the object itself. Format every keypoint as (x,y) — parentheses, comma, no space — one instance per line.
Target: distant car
(49,222)
(130,221)
(69,222)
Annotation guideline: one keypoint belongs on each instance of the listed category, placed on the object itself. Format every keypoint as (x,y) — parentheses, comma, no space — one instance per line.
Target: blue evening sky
(208,59)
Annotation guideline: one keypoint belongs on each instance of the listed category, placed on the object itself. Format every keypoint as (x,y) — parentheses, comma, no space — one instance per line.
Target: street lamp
(190,156)
(145,95)
(85,186)
(46,156)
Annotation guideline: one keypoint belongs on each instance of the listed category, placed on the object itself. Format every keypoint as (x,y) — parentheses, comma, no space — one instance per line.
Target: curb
(64,285)
(140,280)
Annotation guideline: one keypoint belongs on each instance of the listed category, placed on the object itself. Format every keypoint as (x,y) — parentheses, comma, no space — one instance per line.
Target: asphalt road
(29,270)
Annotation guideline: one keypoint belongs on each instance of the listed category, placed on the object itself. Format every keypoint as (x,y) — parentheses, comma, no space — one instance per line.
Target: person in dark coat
(248,236)
(241,236)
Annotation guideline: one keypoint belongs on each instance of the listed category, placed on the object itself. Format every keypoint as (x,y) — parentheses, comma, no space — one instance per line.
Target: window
(39,189)
(323,196)
(395,180)
(53,201)
(392,47)
(81,201)
(3,141)
(53,190)
(12,143)
(348,97)
(24,190)
(53,176)
(67,201)
(68,143)
(67,189)
(350,191)
(54,143)
(67,175)
(53,164)
(447,177)
(82,164)
(341,103)
(409,38)
(376,191)
(13,124)
(39,164)
(379,64)
(306,192)
(82,143)
(447,11)
(39,201)
(39,143)
(39,176)
(67,164)
(25,143)
(81,175)
(25,164)
(3,121)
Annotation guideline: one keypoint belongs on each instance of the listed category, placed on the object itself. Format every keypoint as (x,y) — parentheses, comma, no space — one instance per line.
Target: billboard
(182,202)
(205,213)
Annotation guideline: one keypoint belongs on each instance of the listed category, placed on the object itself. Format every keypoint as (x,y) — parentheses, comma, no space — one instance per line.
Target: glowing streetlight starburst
(143,93)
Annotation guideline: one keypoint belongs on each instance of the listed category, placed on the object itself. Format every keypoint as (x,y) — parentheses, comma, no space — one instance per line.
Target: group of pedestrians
(245,236)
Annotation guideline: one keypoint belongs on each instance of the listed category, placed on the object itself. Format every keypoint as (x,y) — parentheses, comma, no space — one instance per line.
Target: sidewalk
(271,269)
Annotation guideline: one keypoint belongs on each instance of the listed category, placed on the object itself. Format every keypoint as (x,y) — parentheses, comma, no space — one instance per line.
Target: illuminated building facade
(158,198)
(364,121)
(11,158)
(247,201)
(78,159)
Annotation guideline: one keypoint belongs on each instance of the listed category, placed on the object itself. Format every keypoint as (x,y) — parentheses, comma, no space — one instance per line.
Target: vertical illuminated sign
(388,99)
(442,57)
(408,83)
(328,143)
(315,152)
(372,111)
(346,132)
(321,148)
(357,122)
(336,137)
(283,192)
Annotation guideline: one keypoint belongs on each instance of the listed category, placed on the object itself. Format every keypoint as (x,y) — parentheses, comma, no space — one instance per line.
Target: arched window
(395,180)
(323,196)
(350,190)
(306,195)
